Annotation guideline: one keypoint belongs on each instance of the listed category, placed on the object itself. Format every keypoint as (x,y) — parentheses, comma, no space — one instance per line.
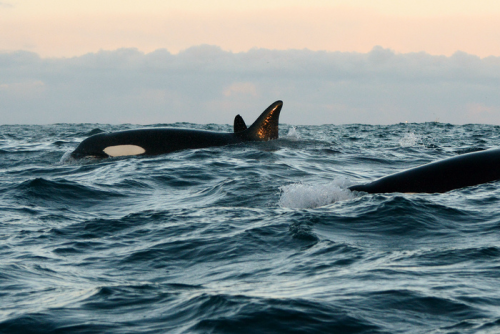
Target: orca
(154,141)
(440,176)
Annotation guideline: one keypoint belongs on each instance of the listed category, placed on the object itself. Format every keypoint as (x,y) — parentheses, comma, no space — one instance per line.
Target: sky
(331,62)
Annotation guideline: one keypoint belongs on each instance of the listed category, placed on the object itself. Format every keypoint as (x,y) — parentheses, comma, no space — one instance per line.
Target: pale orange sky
(55,28)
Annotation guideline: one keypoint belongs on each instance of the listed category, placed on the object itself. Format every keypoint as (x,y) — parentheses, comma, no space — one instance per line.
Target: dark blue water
(250,238)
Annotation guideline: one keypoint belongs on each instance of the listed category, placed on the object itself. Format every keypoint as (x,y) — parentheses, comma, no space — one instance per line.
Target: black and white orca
(154,141)
(440,176)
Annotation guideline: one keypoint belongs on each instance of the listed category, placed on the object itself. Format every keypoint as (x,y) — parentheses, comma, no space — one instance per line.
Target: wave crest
(307,196)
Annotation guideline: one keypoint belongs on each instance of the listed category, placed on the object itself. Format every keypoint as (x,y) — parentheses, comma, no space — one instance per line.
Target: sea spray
(292,134)
(308,196)
(410,139)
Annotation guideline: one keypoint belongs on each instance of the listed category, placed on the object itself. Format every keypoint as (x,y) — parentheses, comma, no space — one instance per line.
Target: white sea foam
(293,134)
(410,139)
(66,158)
(308,196)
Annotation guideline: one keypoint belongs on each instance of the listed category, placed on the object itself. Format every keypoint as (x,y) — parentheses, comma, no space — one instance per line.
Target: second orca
(440,176)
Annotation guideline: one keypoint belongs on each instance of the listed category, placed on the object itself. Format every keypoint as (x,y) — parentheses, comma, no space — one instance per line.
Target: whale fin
(239,124)
(266,126)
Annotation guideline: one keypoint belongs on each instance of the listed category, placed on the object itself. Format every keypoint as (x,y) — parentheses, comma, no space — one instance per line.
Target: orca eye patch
(123,150)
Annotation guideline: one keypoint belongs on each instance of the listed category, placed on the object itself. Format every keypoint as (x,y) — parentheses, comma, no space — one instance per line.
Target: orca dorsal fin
(239,124)
(266,126)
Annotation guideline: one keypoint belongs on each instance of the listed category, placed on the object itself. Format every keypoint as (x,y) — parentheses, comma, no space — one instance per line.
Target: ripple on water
(257,237)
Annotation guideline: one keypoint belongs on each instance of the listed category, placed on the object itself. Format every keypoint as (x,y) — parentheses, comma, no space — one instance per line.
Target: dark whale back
(154,141)
(437,177)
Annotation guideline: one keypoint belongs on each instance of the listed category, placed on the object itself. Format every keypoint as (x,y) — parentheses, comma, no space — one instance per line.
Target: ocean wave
(254,237)
(48,192)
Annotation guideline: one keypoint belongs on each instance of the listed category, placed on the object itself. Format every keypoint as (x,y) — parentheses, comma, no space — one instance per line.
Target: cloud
(206,84)
(23,89)
(6,5)
(241,88)
(69,28)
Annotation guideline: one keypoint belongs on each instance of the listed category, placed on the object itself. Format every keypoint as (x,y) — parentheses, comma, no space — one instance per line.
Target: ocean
(260,237)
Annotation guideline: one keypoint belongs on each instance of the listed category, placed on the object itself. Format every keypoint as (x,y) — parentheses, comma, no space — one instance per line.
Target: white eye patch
(123,150)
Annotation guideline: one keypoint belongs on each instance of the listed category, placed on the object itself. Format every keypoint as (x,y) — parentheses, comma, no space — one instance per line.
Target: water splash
(67,158)
(410,139)
(293,134)
(307,196)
